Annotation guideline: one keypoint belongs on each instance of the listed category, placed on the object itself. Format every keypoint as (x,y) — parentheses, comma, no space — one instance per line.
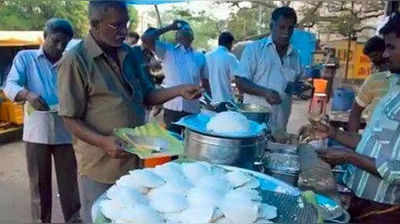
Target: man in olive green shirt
(102,87)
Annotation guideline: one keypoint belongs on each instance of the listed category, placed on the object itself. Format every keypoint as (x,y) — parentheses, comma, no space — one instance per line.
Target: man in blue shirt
(33,79)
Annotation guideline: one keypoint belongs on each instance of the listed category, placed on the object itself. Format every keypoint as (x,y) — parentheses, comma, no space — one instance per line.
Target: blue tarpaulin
(305,43)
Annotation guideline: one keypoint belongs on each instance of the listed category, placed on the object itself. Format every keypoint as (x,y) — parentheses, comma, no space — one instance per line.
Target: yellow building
(359,64)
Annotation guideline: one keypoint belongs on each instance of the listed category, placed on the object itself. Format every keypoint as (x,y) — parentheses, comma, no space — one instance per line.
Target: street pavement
(14,184)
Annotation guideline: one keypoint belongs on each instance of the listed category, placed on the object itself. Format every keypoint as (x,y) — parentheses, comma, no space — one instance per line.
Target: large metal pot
(254,112)
(239,152)
(282,162)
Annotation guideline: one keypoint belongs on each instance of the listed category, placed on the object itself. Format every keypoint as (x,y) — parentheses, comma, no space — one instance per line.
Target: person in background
(181,65)
(374,87)
(270,67)
(373,168)
(150,62)
(222,66)
(132,39)
(102,87)
(33,79)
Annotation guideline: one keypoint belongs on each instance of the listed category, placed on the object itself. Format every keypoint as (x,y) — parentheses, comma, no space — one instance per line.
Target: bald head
(99,9)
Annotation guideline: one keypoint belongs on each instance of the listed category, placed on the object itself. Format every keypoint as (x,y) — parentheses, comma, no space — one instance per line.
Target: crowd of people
(104,82)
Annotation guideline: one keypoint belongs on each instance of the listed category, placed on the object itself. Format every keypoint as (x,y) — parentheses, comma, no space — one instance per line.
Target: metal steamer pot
(282,162)
(239,152)
(254,112)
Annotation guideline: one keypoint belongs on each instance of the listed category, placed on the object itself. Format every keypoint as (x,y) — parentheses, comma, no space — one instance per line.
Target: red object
(153,162)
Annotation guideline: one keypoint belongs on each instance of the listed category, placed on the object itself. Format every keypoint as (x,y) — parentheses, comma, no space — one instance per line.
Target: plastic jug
(320,85)
(343,99)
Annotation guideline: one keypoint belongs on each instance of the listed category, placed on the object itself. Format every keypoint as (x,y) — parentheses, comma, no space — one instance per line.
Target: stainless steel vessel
(257,113)
(281,161)
(239,152)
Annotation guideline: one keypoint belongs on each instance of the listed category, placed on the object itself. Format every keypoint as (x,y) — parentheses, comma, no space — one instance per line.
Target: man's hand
(335,156)
(322,130)
(272,97)
(37,102)
(114,147)
(190,92)
(177,24)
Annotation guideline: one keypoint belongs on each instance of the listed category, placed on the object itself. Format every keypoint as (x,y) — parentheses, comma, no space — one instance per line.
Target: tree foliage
(248,22)
(205,26)
(335,16)
(32,14)
(343,17)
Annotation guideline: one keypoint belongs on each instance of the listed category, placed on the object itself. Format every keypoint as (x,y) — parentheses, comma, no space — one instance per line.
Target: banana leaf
(150,130)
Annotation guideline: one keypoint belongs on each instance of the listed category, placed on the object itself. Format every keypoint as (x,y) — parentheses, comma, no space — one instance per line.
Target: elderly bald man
(181,65)
(33,79)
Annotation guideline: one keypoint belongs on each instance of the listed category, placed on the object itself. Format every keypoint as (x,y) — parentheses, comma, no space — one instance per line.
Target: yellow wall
(359,64)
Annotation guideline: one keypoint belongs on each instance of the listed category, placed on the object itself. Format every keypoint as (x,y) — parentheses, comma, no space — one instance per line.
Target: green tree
(32,14)
(133,14)
(205,26)
(248,22)
(348,18)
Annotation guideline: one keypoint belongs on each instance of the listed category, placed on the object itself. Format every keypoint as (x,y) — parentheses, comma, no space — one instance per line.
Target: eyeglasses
(118,27)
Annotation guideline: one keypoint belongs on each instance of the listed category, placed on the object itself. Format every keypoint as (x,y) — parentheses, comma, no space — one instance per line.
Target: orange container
(320,85)
(4,111)
(16,113)
(153,162)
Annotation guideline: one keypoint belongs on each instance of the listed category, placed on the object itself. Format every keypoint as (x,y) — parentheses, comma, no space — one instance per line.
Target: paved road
(14,186)
(14,189)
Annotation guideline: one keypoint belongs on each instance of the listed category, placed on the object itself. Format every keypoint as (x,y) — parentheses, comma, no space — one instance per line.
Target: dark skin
(110,34)
(392,52)
(343,156)
(281,32)
(378,60)
(53,48)
(355,117)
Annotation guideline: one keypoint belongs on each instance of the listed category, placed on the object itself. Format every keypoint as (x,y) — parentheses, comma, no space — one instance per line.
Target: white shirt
(260,63)
(33,71)
(222,66)
(181,66)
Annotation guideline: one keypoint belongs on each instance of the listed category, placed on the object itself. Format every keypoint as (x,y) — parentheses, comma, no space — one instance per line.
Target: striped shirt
(380,140)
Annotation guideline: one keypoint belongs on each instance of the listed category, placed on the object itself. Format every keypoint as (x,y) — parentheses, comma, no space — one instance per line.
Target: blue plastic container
(343,99)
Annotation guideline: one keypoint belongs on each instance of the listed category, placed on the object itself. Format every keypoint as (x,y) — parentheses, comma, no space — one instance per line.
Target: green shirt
(105,96)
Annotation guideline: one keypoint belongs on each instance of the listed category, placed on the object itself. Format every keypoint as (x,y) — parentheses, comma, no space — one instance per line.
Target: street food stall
(230,169)
(224,172)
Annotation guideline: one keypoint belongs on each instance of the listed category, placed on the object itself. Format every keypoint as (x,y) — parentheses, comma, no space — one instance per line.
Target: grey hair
(98,9)
(57,25)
